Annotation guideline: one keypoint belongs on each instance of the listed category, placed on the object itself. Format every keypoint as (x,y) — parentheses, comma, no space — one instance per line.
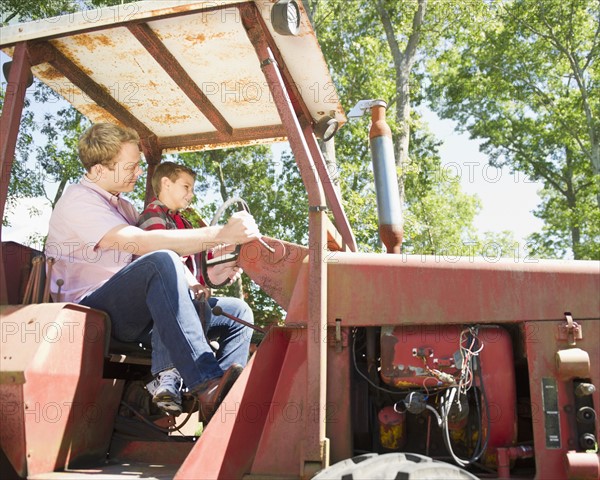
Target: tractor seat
(27,285)
(129,352)
(127,360)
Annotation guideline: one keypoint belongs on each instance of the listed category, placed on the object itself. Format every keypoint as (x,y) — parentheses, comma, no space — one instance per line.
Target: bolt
(586,415)
(584,389)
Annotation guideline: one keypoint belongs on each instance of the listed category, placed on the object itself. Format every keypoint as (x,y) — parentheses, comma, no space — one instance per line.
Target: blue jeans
(150,299)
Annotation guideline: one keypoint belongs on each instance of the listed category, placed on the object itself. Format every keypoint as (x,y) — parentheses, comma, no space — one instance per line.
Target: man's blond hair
(171,171)
(102,142)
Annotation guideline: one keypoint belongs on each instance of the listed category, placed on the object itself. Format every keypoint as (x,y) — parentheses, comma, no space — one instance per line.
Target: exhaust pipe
(389,210)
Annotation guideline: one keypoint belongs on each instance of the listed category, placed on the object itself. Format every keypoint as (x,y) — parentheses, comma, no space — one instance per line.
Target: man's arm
(241,228)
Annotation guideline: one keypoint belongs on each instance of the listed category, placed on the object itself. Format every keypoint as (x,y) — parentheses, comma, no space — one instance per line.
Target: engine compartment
(455,393)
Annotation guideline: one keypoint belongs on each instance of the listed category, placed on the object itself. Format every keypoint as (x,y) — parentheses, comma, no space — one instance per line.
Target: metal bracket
(268,61)
(318,208)
(338,335)
(571,332)
(363,105)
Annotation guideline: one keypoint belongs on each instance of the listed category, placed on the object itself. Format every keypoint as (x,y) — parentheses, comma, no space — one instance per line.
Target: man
(93,237)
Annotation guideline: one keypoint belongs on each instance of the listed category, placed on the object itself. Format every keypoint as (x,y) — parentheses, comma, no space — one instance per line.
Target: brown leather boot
(211,393)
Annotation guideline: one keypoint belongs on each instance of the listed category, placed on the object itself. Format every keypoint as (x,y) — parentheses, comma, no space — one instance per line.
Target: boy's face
(177,195)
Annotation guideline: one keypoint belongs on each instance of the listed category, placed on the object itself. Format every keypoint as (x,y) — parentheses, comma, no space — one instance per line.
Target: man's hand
(200,292)
(224,271)
(241,228)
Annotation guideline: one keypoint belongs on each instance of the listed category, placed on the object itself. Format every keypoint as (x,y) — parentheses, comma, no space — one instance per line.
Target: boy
(173,186)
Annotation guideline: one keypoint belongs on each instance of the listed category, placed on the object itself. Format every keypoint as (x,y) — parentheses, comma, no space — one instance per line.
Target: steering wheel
(230,257)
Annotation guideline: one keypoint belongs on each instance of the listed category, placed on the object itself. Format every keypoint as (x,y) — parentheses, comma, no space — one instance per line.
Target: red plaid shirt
(156,216)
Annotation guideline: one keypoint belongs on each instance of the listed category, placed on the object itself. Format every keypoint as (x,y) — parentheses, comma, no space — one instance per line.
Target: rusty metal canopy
(184,74)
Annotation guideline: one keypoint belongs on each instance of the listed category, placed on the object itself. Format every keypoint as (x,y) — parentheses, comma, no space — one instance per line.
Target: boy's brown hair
(171,171)
(102,142)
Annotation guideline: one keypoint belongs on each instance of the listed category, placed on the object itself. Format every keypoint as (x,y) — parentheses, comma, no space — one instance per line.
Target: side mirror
(326,128)
(285,17)
(6,71)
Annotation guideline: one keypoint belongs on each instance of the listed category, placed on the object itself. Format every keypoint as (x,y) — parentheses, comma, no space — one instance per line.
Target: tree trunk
(579,74)
(574,227)
(403,64)
(59,191)
(571,198)
(596,164)
(403,118)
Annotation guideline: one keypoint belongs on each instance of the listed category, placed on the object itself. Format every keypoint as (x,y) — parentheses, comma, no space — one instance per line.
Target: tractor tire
(393,466)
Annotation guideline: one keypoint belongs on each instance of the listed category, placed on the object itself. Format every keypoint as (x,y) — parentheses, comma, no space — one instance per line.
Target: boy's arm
(152,218)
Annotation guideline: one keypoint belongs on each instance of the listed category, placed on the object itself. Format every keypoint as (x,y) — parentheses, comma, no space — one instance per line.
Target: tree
(59,157)
(56,162)
(24,181)
(404,61)
(525,79)
(23,10)
(54,138)
(373,51)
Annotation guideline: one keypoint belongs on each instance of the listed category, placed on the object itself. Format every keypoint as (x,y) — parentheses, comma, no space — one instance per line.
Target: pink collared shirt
(82,216)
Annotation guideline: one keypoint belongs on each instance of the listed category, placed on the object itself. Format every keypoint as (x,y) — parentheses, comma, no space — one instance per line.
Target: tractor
(387,365)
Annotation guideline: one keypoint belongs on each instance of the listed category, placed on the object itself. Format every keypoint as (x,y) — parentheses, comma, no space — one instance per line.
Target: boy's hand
(224,271)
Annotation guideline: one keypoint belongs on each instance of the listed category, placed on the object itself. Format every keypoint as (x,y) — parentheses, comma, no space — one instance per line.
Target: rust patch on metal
(168,118)
(71,55)
(199,38)
(96,113)
(220,35)
(49,73)
(222,146)
(91,42)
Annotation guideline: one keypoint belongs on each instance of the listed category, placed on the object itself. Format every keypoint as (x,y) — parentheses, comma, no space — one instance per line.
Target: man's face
(123,173)
(177,195)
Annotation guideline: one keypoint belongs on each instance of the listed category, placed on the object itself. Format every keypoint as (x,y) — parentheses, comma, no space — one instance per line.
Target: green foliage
(46,154)
(568,231)
(25,180)
(25,10)
(438,215)
(59,156)
(525,80)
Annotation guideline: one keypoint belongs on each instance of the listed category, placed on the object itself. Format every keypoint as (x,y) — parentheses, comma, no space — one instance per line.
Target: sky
(508,199)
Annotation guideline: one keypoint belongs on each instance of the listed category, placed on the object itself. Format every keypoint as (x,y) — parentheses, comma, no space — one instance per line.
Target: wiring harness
(448,390)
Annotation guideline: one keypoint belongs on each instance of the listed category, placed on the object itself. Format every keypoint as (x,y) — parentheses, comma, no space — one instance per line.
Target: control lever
(219,311)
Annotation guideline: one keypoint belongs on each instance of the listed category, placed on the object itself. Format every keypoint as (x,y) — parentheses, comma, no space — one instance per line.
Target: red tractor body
(492,365)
